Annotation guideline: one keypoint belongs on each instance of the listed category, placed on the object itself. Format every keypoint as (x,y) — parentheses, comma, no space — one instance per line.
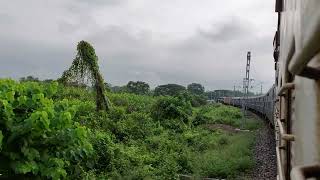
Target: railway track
(292,105)
(264,153)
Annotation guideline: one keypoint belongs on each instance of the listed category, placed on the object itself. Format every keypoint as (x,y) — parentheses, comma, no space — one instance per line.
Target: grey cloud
(214,56)
(124,56)
(232,29)
(85,7)
(102,2)
(81,22)
(65,27)
(6,19)
(21,58)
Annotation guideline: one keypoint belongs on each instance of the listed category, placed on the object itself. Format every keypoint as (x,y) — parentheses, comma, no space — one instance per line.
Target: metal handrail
(280,168)
(287,86)
(283,135)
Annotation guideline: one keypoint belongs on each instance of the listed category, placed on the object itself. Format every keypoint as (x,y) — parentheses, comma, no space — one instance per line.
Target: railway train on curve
(292,105)
(262,105)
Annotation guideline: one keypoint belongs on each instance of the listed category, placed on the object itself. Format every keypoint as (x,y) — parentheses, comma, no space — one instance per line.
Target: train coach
(293,103)
(262,105)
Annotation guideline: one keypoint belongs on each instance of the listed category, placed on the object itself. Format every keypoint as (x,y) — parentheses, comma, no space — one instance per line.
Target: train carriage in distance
(262,105)
(292,105)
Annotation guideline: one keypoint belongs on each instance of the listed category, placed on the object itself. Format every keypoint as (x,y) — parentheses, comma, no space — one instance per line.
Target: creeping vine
(85,67)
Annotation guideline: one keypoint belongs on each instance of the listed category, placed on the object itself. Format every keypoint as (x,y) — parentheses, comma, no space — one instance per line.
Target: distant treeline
(143,88)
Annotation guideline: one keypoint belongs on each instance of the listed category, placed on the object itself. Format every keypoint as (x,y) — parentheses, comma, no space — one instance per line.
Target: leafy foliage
(132,102)
(85,65)
(171,108)
(169,90)
(38,135)
(195,88)
(138,87)
(51,131)
(218,114)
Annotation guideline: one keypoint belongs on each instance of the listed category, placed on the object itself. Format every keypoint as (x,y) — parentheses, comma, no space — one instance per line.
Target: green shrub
(135,126)
(131,162)
(132,102)
(200,117)
(38,135)
(170,110)
(198,100)
(44,134)
(103,146)
(69,92)
(219,114)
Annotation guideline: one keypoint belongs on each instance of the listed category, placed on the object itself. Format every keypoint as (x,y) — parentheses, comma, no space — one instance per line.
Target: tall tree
(196,88)
(169,90)
(85,67)
(138,87)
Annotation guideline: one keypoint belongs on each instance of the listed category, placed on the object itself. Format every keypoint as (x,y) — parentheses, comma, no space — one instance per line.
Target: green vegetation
(169,90)
(138,87)
(39,136)
(196,88)
(50,130)
(85,65)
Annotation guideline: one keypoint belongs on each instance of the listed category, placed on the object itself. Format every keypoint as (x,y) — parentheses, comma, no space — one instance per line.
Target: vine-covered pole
(85,65)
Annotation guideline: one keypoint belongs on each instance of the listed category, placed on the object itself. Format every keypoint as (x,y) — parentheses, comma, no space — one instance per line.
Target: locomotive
(292,105)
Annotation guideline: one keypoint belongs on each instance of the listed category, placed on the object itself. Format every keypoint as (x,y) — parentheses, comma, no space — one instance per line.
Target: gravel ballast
(265,155)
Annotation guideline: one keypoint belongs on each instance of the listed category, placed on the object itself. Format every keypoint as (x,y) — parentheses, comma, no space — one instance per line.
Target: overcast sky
(157,41)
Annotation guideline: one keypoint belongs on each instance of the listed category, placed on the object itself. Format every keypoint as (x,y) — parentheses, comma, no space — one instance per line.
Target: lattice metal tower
(246,82)
(247,79)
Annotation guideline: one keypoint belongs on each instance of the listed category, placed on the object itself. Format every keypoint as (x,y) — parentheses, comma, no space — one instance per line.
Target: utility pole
(246,85)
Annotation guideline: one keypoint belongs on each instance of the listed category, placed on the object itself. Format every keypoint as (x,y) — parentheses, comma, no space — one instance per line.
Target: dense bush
(132,102)
(51,131)
(38,135)
(172,112)
(198,100)
(71,93)
(200,117)
(218,114)
(134,126)
(171,108)
(103,150)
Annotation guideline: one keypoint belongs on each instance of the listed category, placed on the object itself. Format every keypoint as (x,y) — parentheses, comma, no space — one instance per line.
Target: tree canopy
(138,87)
(169,90)
(195,88)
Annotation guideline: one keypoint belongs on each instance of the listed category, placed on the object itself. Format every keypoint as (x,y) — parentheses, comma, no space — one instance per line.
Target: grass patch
(217,154)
